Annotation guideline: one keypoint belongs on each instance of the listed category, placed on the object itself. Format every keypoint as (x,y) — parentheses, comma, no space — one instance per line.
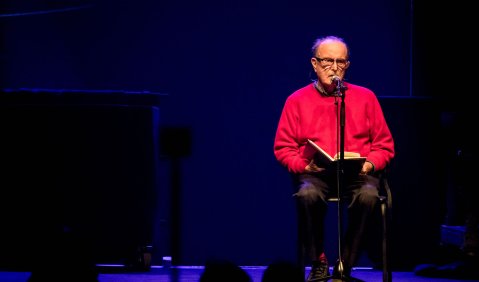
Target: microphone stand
(338,272)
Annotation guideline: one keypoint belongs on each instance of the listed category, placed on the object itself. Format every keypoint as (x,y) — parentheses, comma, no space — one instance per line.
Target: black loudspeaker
(77,170)
(175,141)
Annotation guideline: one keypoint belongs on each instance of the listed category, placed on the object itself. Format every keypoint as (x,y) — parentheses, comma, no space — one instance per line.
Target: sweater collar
(320,88)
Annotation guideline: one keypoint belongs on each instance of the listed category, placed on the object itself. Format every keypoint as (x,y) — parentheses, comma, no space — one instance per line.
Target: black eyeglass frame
(341,63)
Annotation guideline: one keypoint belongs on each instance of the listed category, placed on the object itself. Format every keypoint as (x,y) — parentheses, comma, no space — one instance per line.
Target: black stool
(385,204)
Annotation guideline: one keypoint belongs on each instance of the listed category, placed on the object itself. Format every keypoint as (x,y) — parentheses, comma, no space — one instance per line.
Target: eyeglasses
(328,62)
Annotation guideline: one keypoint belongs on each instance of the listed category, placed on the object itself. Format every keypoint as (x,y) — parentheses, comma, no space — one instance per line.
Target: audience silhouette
(282,271)
(224,270)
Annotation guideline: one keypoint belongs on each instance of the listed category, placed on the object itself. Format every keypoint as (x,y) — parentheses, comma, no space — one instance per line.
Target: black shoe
(319,270)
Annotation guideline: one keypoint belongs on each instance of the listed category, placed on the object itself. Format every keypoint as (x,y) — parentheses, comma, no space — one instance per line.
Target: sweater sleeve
(287,149)
(382,144)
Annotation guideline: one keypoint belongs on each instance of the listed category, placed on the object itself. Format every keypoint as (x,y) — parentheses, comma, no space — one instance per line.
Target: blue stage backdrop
(224,69)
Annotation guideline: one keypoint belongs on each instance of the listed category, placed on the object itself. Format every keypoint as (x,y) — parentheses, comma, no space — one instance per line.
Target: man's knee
(308,193)
(369,197)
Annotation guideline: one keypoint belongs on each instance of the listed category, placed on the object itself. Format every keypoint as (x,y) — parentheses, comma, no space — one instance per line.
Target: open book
(352,163)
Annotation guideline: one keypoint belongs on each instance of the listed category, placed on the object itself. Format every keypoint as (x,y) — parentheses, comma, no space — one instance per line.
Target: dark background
(223,69)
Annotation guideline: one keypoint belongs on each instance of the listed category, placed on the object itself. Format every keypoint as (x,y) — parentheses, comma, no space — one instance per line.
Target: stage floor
(193,273)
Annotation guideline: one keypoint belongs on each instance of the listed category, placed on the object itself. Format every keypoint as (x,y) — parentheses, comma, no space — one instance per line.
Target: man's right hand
(312,167)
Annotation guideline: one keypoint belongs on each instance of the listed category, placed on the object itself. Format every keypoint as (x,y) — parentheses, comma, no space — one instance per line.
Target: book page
(353,162)
(347,155)
(320,150)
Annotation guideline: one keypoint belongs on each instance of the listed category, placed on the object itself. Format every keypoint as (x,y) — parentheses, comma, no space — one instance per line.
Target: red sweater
(309,115)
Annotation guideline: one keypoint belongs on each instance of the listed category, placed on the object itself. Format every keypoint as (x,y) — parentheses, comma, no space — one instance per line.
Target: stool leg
(387,277)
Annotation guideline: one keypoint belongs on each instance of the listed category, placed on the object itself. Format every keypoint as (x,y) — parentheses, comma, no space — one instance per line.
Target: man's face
(331,60)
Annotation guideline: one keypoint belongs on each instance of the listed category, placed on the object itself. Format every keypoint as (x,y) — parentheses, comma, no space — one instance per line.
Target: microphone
(336,80)
(338,84)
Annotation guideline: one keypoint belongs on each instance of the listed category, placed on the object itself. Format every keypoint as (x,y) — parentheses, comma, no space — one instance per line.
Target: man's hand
(367,168)
(312,167)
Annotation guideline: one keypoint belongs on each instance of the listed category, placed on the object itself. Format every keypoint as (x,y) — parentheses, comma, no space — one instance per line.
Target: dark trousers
(312,191)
